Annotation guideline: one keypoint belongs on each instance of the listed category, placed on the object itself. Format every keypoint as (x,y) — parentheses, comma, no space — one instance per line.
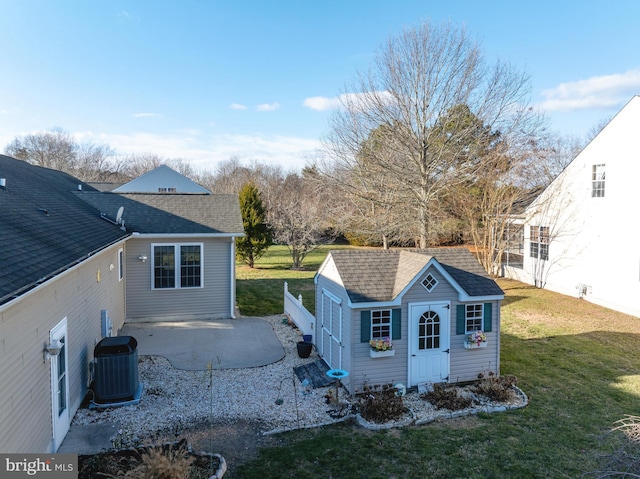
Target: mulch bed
(118,463)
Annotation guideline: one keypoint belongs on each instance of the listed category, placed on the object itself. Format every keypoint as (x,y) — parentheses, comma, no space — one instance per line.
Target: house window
(177,266)
(429,282)
(166,190)
(473,318)
(597,181)
(381,324)
(539,242)
(120,264)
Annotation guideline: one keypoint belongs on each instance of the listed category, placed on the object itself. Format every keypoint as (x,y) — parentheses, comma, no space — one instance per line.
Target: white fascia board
(396,303)
(465,298)
(187,235)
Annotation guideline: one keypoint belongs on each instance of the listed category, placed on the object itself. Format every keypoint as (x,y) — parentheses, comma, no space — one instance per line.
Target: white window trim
(390,323)
(539,242)
(598,182)
(120,264)
(176,249)
(467,319)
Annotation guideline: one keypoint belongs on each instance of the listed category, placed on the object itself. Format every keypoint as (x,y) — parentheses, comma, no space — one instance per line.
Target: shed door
(59,385)
(429,342)
(331,330)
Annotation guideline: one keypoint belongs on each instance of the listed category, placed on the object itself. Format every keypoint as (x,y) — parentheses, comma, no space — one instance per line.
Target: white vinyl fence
(293,308)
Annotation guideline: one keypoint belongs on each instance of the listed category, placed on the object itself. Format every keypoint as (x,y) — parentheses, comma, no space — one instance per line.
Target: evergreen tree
(257,234)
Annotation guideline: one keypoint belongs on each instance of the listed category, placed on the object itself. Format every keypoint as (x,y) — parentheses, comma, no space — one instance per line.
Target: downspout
(232,286)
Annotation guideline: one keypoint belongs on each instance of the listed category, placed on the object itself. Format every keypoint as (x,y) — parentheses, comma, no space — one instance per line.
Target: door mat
(314,373)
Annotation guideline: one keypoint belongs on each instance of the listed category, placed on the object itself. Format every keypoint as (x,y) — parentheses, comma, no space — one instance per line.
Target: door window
(429,331)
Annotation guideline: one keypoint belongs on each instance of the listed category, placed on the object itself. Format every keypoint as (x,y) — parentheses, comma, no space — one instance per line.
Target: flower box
(382,354)
(483,344)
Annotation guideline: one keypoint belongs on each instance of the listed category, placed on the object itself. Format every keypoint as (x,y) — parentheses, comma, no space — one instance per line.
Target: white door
(331,339)
(59,385)
(429,342)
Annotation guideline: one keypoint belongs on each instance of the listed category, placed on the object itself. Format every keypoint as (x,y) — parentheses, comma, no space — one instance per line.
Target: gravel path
(175,400)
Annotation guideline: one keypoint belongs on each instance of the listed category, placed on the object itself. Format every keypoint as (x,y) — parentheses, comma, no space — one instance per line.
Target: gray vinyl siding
(377,371)
(78,294)
(466,364)
(213,300)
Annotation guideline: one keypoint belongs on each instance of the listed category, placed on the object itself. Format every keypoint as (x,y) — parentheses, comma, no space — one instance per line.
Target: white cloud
(124,14)
(321,103)
(599,92)
(204,152)
(268,106)
(147,115)
(237,106)
(351,101)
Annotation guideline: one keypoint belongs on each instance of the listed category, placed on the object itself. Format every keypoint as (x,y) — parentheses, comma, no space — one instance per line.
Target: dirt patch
(236,441)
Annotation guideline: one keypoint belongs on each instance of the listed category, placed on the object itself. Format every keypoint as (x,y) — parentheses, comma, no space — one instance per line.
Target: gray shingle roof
(44,227)
(380,275)
(171,213)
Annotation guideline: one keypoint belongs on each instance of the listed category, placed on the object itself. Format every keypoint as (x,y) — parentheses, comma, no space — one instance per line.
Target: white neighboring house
(573,238)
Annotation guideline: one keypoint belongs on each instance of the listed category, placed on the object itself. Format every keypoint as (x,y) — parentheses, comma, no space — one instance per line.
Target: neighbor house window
(177,266)
(381,324)
(597,181)
(166,190)
(513,240)
(539,242)
(473,318)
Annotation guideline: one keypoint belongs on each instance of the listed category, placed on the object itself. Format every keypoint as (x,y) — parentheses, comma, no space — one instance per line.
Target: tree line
(433,145)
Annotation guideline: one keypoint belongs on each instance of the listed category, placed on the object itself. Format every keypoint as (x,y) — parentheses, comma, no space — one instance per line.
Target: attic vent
(429,282)
(44,211)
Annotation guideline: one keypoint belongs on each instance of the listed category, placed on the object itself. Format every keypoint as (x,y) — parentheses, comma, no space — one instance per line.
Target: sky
(210,80)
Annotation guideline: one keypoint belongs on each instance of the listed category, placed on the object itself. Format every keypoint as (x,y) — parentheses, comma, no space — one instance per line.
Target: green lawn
(578,363)
(260,290)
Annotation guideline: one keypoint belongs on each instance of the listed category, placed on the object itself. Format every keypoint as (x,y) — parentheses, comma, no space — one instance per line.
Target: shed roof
(44,227)
(381,275)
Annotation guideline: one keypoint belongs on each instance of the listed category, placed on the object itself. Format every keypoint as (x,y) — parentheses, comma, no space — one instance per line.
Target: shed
(427,303)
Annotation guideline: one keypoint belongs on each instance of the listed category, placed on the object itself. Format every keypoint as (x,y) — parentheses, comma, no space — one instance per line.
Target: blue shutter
(396,323)
(488,310)
(365,326)
(460,317)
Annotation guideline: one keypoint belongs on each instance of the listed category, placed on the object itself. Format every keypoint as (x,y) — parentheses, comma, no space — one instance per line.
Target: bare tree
(415,81)
(295,215)
(59,150)
(54,149)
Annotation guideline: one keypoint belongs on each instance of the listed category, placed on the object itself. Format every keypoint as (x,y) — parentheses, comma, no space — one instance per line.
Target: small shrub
(381,403)
(445,396)
(162,463)
(496,388)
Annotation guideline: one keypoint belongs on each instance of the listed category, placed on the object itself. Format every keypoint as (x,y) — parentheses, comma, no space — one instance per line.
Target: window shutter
(488,310)
(460,317)
(396,325)
(365,326)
